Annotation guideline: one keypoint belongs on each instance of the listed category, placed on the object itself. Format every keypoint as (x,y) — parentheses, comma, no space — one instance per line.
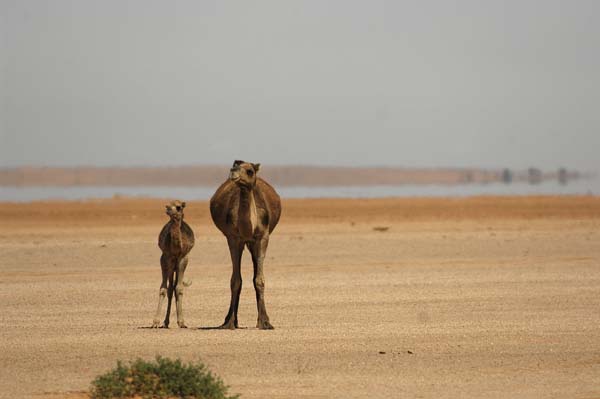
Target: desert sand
(417,298)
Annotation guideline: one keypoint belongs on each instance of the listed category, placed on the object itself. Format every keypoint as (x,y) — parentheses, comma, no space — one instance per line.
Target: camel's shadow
(219,328)
(192,328)
(152,328)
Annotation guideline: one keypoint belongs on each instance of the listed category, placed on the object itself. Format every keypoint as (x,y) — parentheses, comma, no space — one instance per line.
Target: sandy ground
(471,298)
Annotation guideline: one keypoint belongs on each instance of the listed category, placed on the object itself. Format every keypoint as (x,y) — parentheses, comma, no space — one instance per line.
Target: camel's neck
(246,211)
(175,231)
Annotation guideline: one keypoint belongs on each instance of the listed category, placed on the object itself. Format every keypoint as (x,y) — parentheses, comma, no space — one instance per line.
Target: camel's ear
(237,162)
(182,205)
(256,167)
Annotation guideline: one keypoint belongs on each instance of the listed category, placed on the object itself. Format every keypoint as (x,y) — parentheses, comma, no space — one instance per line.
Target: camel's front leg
(170,290)
(162,293)
(179,291)
(235,249)
(259,251)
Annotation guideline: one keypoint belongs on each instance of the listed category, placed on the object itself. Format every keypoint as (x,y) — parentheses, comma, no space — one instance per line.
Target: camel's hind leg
(179,284)
(162,293)
(258,250)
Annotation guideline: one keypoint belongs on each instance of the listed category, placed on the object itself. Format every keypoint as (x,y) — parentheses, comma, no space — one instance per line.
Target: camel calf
(176,240)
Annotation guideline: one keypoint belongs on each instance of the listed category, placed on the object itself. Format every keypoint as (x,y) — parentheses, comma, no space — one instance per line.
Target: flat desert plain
(405,298)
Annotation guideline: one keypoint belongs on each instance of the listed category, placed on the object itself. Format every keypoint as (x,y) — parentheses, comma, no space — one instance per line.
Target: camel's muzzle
(234,174)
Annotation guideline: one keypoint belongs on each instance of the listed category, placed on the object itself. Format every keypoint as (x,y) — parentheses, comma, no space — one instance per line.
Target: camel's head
(244,173)
(175,209)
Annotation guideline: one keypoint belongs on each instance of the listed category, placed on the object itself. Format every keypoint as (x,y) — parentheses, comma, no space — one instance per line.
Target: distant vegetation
(308,176)
(163,378)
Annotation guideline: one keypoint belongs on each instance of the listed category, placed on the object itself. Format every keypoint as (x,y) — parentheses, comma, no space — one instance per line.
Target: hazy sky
(405,83)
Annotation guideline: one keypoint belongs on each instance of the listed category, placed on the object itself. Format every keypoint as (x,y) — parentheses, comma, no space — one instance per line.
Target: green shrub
(164,378)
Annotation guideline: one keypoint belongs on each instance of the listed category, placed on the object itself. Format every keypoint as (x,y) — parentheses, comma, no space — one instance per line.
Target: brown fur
(175,240)
(246,209)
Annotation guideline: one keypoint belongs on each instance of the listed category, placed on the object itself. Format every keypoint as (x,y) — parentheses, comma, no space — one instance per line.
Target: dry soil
(417,298)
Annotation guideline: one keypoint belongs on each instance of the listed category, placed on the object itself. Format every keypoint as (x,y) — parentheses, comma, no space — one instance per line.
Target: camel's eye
(250,172)
(178,208)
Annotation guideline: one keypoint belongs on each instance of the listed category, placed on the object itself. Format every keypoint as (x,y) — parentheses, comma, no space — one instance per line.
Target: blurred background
(334,98)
